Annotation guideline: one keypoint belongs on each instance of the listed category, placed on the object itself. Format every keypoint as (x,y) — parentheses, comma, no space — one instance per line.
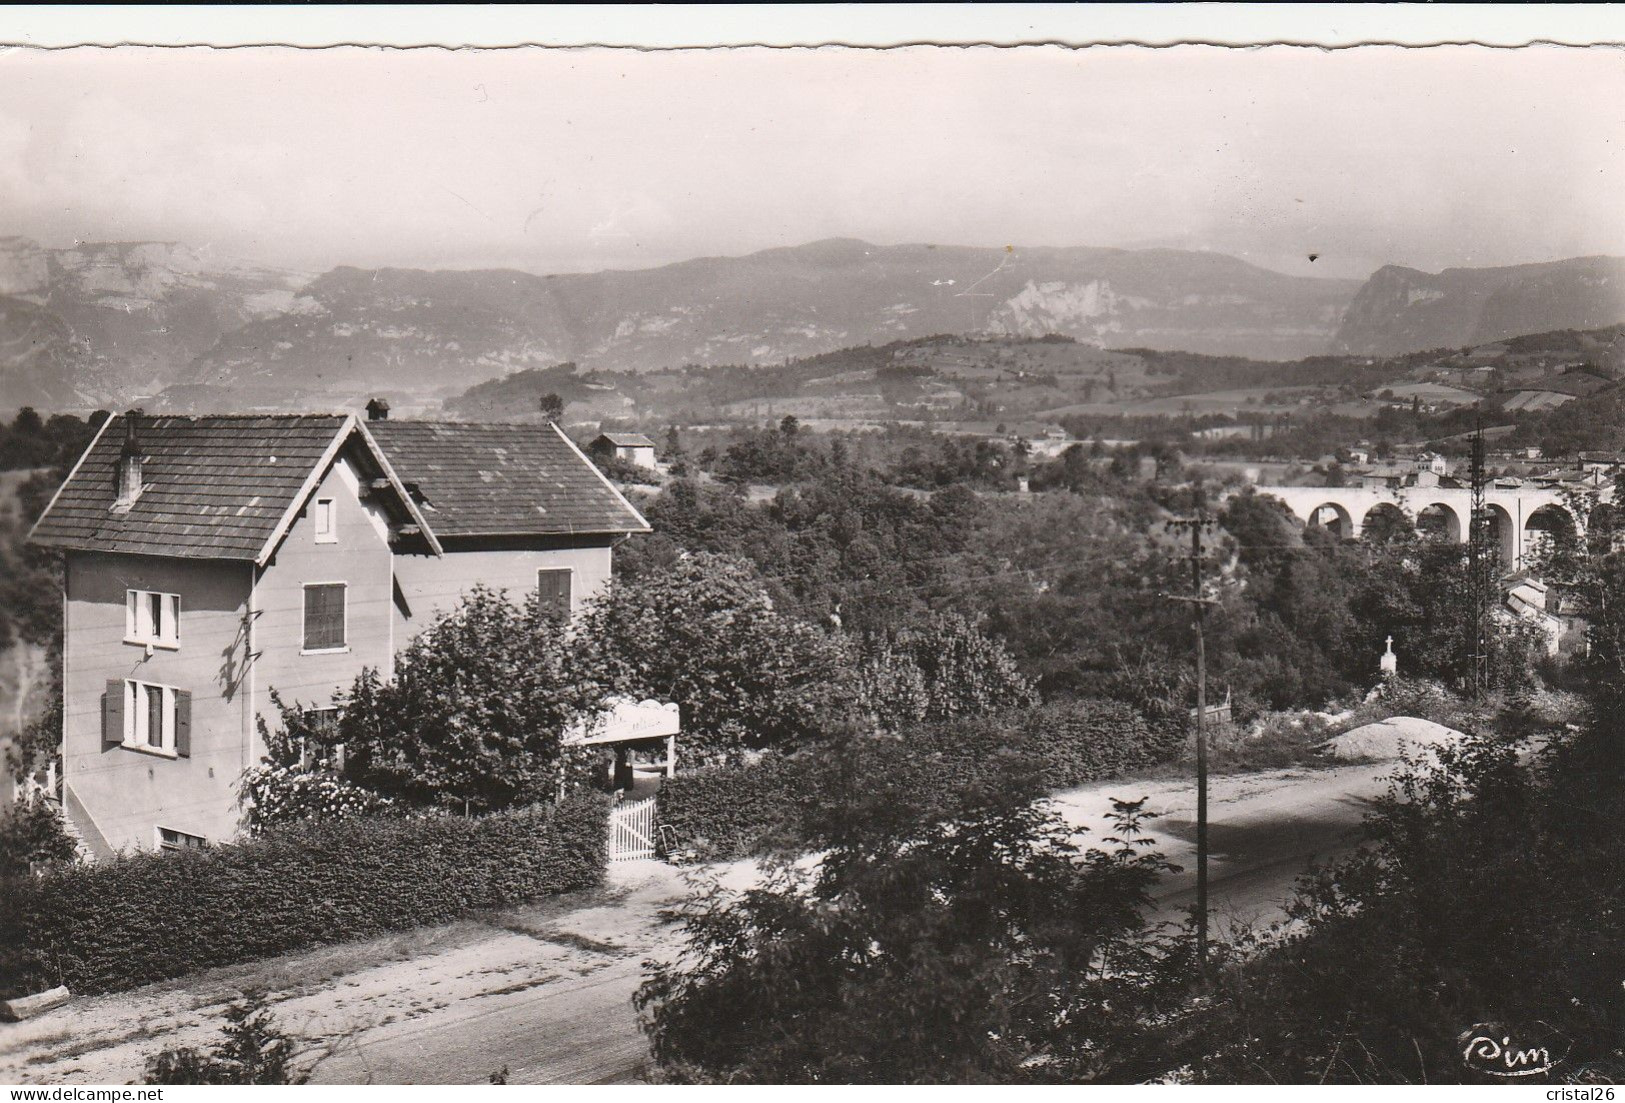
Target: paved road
(546,990)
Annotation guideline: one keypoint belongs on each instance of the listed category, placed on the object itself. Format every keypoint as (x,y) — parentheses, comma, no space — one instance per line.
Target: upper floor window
(326,532)
(553,584)
(324,616)
(152,618)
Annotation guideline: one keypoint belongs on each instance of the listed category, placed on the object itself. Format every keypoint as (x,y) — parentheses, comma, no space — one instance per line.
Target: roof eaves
(630,508)
(80,462)
(568,529)
(400,488)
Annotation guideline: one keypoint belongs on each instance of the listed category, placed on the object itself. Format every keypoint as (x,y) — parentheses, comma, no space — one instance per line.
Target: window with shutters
(146,716)
(324,617)
(554,586)
(152,618)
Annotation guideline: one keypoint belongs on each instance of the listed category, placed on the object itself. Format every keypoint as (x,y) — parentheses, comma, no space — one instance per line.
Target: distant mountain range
(1401,310)
(101,322)
(174,327)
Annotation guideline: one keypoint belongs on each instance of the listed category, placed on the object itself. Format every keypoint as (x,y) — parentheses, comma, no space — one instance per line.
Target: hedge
(150,916)
(729,811)
(733,811)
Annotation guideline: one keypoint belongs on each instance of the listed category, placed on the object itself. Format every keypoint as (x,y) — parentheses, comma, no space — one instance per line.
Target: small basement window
(170,839)
(152,618)
(325,616)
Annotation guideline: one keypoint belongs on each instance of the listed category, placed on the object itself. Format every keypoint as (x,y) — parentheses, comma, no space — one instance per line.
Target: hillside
(946,380)
(352,329)
(1401,310)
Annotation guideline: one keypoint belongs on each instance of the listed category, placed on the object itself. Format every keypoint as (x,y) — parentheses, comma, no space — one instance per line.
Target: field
(1232,402)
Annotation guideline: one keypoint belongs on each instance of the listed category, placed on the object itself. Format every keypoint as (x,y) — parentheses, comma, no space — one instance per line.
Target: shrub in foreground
(147,917)
(252,1050)
(948,936)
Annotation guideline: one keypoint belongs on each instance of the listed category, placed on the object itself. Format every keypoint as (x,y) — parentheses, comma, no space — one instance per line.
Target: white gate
(632,830)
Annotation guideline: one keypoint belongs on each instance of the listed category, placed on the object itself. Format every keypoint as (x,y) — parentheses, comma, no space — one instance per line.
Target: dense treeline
(32,441)
(1072,577)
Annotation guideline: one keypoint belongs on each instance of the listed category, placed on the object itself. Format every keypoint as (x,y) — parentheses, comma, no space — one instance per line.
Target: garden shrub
(149,916)
(737,810)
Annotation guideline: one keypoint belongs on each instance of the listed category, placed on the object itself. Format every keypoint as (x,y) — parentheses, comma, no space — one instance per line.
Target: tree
(1487,892)
(252,1050)
(704,633)
(552,407)
(943,938)
(938,669)
(32,834)
(472,720)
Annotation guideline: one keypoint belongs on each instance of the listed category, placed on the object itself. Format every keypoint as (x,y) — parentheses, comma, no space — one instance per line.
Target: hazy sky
(578,160)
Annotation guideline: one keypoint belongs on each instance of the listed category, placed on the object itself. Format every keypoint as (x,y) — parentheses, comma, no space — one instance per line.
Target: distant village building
(633,448)
(210,560)
(1562,627)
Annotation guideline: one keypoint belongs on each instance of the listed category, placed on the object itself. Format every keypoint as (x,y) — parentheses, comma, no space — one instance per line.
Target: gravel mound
(1389,738)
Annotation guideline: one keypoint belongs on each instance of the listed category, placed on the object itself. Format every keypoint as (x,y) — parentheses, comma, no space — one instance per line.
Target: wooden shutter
(554,588)
(183,723)
(113,713)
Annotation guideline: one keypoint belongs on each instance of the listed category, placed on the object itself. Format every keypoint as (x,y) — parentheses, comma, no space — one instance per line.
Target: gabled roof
(225,487)
(626,440)
(478,479)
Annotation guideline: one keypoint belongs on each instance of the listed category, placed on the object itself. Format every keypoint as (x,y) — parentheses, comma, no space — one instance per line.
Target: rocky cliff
(114,321)
(1402,310)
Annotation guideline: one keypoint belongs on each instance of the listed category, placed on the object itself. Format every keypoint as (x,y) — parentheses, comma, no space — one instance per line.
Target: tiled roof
(627,440)
(215,487)
(503,480)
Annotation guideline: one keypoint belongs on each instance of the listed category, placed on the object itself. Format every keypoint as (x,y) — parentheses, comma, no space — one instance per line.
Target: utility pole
(1479,563)
(1197,599)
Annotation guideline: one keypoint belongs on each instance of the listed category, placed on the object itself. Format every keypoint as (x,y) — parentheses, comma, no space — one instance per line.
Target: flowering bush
(277,795)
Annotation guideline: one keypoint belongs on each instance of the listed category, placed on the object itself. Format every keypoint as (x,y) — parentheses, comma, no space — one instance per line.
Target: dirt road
(546,990)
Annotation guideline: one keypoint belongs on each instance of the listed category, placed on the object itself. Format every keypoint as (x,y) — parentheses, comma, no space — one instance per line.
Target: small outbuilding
(634,448)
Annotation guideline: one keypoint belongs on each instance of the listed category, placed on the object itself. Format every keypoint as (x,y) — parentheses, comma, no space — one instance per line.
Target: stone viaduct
(1519,516)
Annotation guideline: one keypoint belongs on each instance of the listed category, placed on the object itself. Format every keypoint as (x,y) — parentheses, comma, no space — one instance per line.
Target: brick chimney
(378,409)
(130,460)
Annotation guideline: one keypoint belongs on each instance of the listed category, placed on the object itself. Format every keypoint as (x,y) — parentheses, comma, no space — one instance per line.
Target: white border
(675,26)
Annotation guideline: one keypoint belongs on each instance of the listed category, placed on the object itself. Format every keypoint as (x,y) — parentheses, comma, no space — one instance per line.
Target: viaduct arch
(1520,517)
